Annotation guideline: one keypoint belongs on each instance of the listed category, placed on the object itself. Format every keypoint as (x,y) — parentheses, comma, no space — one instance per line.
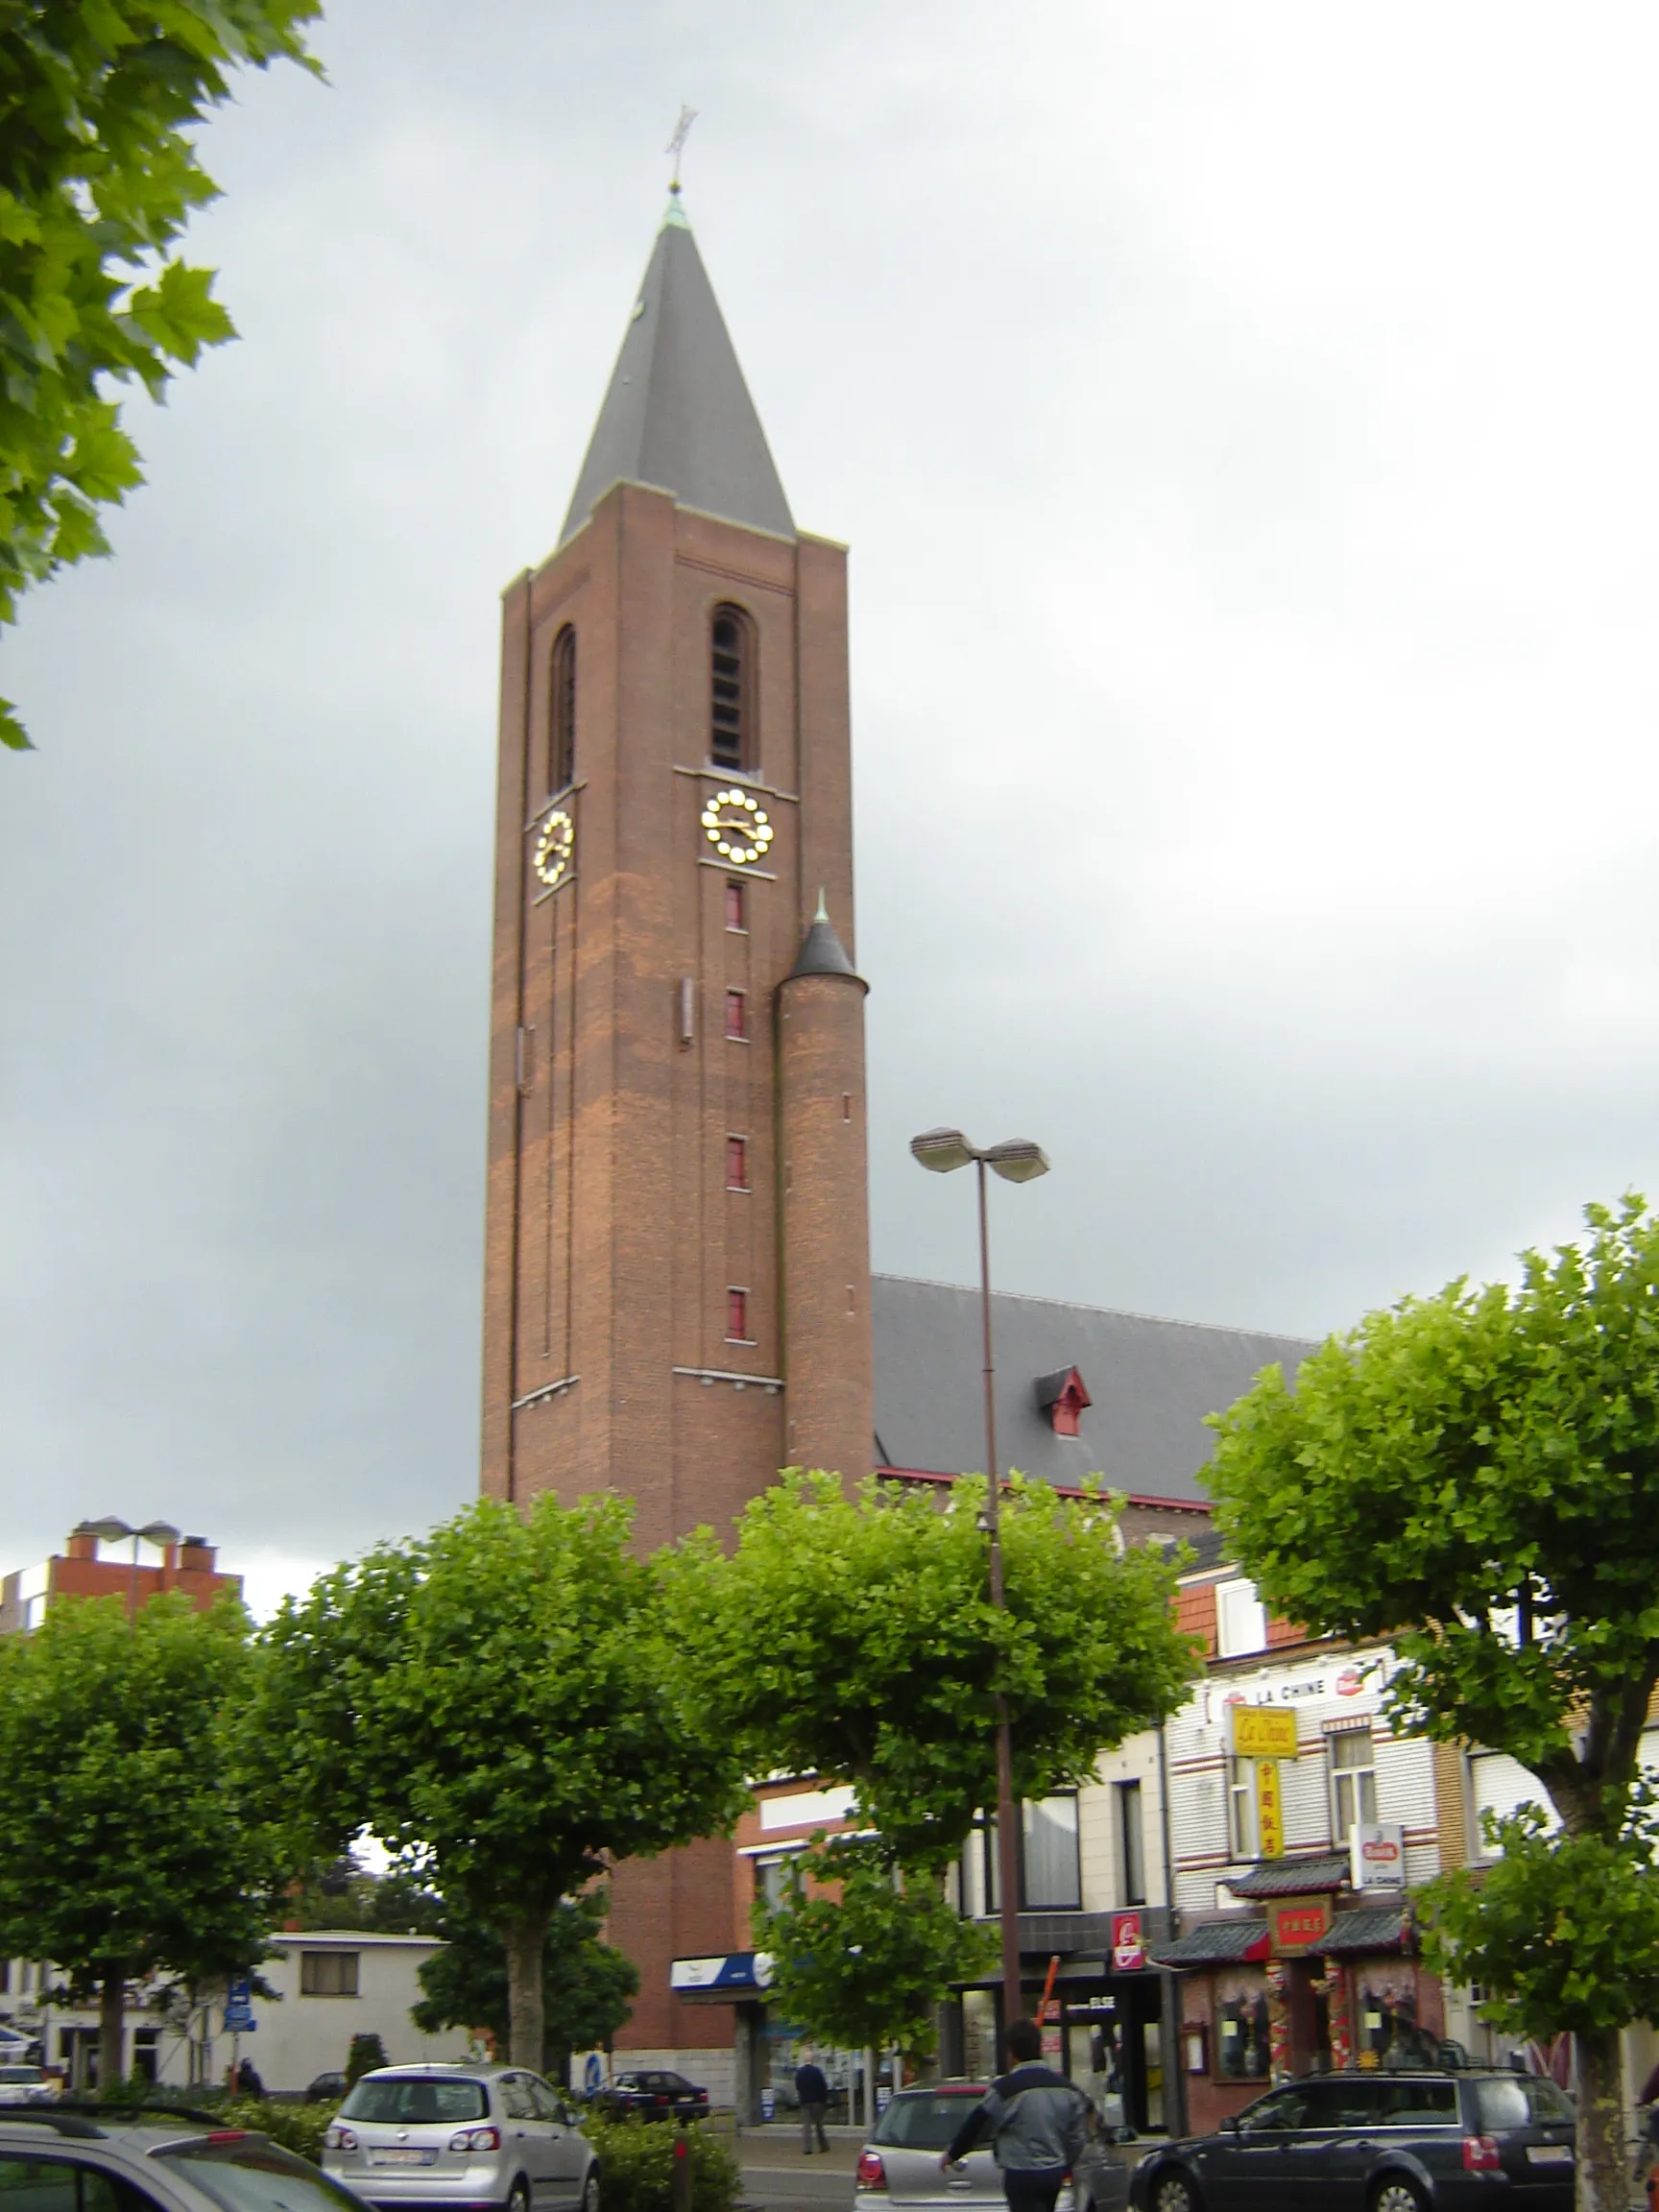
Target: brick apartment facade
(77,1571)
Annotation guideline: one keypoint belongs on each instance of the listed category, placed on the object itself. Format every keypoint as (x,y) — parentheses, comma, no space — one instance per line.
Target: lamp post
(1017,1160)
(110,1530)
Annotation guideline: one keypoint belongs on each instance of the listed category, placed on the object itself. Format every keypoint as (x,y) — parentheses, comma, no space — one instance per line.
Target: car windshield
(255,2177)
(926,2123)
(1520,2101)
(415,2101)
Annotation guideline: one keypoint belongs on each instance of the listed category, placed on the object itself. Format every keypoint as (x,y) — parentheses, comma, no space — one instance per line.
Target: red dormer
(1063,1396)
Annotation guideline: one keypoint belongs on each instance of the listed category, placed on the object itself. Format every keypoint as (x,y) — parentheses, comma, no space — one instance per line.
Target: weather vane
(677,144)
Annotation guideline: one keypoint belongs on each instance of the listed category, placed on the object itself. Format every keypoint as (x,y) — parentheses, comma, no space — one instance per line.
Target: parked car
(654,2093)
(462,2136)
(1419,2142)
(167,2163)
(26,2084)
(17,2049)
(899,2163)
(326,2089)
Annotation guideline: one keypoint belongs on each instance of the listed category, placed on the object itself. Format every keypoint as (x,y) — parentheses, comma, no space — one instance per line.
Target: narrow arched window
(562,712)
(732,689)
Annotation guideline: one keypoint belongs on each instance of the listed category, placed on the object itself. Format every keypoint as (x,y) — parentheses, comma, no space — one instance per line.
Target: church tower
(677,1262)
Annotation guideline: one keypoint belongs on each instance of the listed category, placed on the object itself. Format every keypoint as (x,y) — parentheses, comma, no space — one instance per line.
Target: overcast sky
(1243,423)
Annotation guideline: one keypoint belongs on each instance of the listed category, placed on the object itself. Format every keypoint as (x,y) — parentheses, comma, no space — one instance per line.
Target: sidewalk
(774,2147)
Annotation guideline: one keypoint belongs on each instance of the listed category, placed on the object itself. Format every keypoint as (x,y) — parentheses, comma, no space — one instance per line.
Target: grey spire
(822,952)
(678,414)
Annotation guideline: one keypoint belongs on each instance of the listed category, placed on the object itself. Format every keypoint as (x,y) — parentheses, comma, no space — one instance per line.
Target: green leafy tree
(132,1841)
(500,1699)
(343,1893)
(1476,1477)
(367,2055)
(855,1638)
(588,1986)
(98,176)
(863,1956)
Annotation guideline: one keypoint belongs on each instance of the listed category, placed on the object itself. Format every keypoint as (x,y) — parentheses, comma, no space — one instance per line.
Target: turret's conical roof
(678,413)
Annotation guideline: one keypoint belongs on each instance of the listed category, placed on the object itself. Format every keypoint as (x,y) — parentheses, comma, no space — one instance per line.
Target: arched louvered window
(562,712)
(732,689)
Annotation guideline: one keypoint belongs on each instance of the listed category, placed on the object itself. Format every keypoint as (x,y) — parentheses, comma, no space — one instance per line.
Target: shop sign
(1377,1852)
(1270,1810)
(1263,1732)
(1297,1923)
(1128,1943)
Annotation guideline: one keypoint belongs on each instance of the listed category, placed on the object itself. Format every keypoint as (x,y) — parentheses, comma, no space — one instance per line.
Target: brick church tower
(677,1277)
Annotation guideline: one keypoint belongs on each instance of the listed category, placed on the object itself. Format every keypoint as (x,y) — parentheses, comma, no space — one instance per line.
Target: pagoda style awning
(1292,1877)
(1217,1943)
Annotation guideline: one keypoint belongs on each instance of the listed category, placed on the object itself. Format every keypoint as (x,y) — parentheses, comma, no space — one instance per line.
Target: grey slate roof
(823,954)
(1215,1943)
(1151,1383)
(678,414)
(1376,1929)
(1292,1877)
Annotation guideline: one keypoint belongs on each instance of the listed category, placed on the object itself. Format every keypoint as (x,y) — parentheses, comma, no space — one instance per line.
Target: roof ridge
(1123,1312)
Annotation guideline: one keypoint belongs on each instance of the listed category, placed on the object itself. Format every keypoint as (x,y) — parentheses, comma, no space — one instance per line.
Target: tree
(588,1986)
(97,180)
(131,1840)
(345,1894)
(867,1967)
(499,1700)
(855,1638)
(1476,1477)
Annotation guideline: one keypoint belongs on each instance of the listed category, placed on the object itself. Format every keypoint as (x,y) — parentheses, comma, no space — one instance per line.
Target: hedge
(636,2165)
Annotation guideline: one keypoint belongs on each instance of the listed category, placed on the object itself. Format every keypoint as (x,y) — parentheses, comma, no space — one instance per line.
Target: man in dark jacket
(813,2092)
(1038,2123)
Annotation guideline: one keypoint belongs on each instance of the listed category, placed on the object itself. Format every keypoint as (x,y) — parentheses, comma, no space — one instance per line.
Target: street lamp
(1017,1160)
(110,1530)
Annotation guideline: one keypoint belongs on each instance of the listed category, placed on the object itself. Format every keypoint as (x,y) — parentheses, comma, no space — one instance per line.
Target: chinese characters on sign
(1270,1810)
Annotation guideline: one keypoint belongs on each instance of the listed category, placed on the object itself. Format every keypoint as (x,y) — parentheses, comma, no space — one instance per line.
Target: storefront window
(1240,2027)
(1387,2025)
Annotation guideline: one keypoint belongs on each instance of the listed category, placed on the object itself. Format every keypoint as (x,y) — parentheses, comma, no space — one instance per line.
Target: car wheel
(1398,2192)
(519,2196)
(591,2191)
(1172,2192)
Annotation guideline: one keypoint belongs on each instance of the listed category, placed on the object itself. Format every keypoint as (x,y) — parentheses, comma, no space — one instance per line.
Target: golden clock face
(555,845)
(736,825)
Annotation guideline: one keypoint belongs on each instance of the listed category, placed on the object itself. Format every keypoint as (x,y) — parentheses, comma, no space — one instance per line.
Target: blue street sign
(593,2073)
(239,2017)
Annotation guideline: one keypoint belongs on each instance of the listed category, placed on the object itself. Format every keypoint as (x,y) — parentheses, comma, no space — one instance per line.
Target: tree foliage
(855,1638)
(588,1985)
(499,1700)
(1476,1477)
(863,1956)
(97,180)
(134,1840)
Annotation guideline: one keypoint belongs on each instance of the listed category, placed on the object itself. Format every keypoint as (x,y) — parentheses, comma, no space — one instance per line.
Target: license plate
(401,2158)
(1549,2154)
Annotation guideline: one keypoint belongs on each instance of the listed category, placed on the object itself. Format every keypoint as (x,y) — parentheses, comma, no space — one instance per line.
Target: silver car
(898,2166)
(471,2138)
(56,2160)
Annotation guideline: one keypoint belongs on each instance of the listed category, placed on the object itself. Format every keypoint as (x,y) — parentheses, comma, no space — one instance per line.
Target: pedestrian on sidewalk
(1038,2123)
(813,2092)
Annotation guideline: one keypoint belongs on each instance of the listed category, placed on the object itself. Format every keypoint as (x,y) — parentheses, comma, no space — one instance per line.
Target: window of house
(1241,1832)
(736,1015)
(1241,2047)
(737,1317)
(772,1880)
(732,657)
(1353,1779)
(1051,1873)
(1132,1841)
(328,1973)
(736,1163)
(734,907)
(1241,1619)
(562,712)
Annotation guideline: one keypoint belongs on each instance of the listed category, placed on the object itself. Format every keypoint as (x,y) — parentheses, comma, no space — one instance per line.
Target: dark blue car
(1384,2142)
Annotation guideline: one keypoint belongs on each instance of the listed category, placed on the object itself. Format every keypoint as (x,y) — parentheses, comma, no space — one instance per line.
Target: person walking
(1038,2123)
(812,2090)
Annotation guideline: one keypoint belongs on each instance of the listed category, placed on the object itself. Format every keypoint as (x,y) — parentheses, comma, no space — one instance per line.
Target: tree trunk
(1603,2181)
(526,1941)
(112,2029)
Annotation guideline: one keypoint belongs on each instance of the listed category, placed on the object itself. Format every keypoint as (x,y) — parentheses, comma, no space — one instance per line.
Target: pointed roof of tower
(678,413)
(822,952)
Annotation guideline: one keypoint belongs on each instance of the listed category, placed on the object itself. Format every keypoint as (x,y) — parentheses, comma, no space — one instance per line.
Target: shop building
(88,1567)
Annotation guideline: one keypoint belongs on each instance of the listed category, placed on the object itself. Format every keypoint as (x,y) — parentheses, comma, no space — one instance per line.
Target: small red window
(737,1316)
(734,906)
(736,1163)
(736,1014)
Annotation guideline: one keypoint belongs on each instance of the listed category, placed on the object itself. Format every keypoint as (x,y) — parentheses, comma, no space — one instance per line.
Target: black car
(654,2095)
(1384,2142)
(328,2089)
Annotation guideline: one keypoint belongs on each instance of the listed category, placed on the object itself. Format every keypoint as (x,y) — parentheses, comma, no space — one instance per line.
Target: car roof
(456,2069)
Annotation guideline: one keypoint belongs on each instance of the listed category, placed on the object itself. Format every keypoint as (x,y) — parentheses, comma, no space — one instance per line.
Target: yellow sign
(1270,1810)
(1263,1732)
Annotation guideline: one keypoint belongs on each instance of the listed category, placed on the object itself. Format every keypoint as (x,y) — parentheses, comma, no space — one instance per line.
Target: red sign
(1128,1943)
(1299,1923)
(1350,1682)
